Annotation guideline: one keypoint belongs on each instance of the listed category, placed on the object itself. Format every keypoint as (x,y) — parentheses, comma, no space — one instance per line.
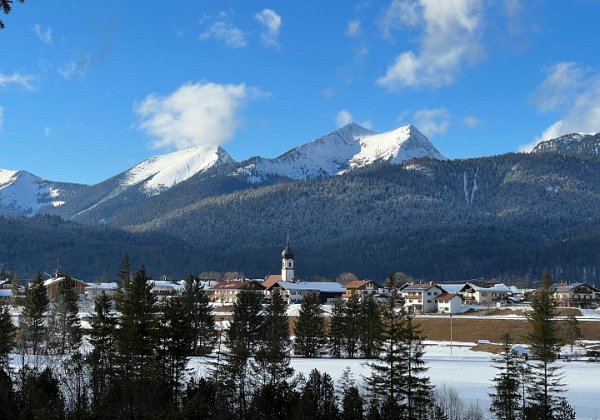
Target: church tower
(287,263)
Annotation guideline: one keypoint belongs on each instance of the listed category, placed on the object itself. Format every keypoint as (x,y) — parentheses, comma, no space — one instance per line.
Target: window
(428,300)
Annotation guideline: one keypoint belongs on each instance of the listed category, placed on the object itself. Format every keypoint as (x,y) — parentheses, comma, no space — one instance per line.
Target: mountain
(22,193)
(152,177)
(349,147)
(574,144)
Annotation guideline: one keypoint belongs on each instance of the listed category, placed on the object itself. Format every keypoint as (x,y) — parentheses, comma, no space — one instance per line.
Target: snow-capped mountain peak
(164,171)
(581,144)
(349,147)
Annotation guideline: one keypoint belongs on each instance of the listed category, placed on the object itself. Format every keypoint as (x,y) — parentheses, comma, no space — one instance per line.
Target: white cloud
(23,80)
(272,23)
(343,117)
(573,91)
(44,35)
(354,28)
(76,69)
(450,39)
(472,122)
(226,33)
(1,117)
(195,114)
(432,121)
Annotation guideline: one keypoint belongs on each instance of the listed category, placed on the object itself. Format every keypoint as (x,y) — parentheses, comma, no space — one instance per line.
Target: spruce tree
(310,327)
(202,322)
(63,321)
(352,325)
(353,404)
(102,358)
(506,400)
(32,328)
(318,400)
(370,327)
(124,273)
(544,344)
(336,328)
(7,337)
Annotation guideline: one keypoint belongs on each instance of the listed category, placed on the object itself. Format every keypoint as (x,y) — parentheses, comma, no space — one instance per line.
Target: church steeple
(287,262)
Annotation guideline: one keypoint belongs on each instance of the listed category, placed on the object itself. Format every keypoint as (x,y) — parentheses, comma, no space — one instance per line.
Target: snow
(162,172)
(469,372)
(321,286)
(350,147)
(6,176)
(23,192)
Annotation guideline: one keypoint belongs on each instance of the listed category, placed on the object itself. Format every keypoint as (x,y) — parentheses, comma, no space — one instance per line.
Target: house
(448,303)
(93,290)
(496,294)
(362,287)
(53,283)
(165,288)
(227,291)
(5,295)
(6,284)
(577,295)
(294,291)
(420,297)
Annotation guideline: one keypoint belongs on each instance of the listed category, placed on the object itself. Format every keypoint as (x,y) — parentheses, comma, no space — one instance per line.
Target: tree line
(136,359)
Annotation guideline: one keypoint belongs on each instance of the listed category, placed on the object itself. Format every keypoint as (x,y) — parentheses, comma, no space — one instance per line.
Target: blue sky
(89,89)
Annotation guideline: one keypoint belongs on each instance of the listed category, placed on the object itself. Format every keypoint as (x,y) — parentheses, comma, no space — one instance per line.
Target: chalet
(448,303)
(165,288)
(294,291)
(576,295)
(53,283)
(496,294)
(6,284)
(94,290)
(227,291)
(420,297)
(363,288)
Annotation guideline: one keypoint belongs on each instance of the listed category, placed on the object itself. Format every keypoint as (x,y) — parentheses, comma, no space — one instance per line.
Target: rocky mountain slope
(575,144)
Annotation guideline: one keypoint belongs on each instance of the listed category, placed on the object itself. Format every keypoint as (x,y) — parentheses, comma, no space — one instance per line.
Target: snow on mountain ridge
(586,144)
(164,171)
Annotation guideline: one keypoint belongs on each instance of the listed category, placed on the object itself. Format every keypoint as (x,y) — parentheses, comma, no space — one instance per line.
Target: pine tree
(544,343)
(352,325)
(506,401)
(102,358)
(272,360)
(124,273)
(370,327)
(7,337)
(318,400)
(353,404)
(202,321)
(310,327)
(63,321)
(138,326)
(336,328)
(32,328)
(175,342)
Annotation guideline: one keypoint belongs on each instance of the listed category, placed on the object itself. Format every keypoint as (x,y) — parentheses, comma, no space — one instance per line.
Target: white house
(448,303)
(420,297)
(95,289)
(294,291)
(495,294)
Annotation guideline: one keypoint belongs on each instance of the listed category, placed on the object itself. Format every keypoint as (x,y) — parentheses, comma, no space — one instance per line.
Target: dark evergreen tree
(32,327)
(272,359)
(353,405)
(544,344)
(318,400)
(64,325)
(7,337)
(336,328)
(8,399)
(370,327)
(310,327)
(564,411)
(202,322)
(6,7)
(40,396)
(352,325)
(175,342)
(506,400)
(102,358)
(124,273)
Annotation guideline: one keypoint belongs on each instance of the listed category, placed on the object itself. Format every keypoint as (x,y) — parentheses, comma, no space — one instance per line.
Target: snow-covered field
(469,372)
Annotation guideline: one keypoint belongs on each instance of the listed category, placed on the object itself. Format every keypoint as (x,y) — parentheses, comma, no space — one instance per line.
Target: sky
(89,89)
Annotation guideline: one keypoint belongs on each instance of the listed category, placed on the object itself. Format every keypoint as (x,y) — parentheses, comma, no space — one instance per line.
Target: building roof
(271,279)
(55,280)
(320,286)
(234,284)
(357,284)
(454,288)
(417,287)
(566,287)
(287,252)
(103,286)
(446,297)
(497,288)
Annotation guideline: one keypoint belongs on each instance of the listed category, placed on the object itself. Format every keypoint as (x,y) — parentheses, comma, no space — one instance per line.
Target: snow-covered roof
(103,286)
(321,286)
(454,288)
(497,288)
(165,284)
(55,280)
(417,287)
